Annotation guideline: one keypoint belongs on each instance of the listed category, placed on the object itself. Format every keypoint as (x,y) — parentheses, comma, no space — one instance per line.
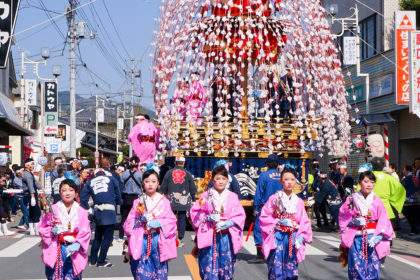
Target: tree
(412,5)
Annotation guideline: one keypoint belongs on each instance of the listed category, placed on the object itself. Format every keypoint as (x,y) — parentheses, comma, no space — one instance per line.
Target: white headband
(29,163)
(121,168)
(57,161)
(20,170)
(140,117)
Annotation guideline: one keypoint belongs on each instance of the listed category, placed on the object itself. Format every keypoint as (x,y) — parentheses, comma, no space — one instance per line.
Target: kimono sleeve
(45,228)
(129,222)
(168,220)
(83,236)
(197,212)
(267,223)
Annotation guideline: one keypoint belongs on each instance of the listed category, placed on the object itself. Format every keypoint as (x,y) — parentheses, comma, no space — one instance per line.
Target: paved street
(20,259)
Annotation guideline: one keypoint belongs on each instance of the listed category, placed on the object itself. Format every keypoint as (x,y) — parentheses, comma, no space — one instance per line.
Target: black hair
(148,173)
(417,158)
(69,182)
(61,168)
(393,165)
(15,167)
(289,170)
(272,164)
(219,170)
(28,160)
(368,174)
(378,163)
(135,159)
(147,117)
(409,168)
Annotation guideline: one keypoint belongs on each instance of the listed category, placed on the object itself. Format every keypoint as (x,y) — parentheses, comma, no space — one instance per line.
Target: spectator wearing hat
(268,184)
(233,182)
(131,190)
(334,174)
(105,191)
(178,185)
(328,193)
(346,183)
(320,210)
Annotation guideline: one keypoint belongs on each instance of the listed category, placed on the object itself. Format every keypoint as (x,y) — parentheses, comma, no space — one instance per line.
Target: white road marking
(404,261)
(330,240)
(116,249)
(249,245)
(19,247)
(312,251)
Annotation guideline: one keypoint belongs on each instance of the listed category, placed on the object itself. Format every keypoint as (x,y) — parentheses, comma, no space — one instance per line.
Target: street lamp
(97,126)
(45,53)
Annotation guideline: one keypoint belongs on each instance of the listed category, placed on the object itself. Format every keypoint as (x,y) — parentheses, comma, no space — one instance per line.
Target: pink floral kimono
(285,229)
(144,140)
(364,251)
(151,248)
(73,227)
(218,249)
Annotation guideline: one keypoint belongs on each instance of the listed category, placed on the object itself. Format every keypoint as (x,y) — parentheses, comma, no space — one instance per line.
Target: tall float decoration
(245,78)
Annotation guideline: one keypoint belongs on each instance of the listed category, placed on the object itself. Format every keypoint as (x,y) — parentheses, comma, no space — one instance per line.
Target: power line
(115,28)
(54,18)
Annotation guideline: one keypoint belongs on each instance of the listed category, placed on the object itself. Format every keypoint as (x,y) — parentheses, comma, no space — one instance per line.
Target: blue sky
(104,56)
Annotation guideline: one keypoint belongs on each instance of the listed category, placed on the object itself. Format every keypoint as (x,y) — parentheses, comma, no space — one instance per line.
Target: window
(368,40)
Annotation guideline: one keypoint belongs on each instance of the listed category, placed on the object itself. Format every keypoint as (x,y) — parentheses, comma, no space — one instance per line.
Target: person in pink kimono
(218,219)
(365,230)
(285,229)
(178,100)
(144,139)
(197,100)
(151,231)
(65,233)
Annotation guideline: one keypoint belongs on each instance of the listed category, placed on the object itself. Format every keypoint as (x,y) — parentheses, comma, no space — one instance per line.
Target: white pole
(22,88)
(132,101)
(72,84)
(42,175)
(96,130)
(117,129)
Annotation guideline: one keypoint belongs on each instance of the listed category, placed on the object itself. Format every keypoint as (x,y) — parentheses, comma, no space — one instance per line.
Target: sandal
(105,265)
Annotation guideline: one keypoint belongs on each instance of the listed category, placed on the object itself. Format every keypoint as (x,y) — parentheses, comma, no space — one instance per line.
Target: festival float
(241,79)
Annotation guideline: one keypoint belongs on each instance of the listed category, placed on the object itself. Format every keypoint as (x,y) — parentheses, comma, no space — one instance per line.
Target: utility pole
(72,37)
(134,75)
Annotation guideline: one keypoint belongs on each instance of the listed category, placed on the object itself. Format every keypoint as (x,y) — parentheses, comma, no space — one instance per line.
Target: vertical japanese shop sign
(414,60)
(405,21)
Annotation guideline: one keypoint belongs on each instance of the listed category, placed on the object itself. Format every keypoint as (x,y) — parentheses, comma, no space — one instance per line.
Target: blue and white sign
(53,145)
(382,86)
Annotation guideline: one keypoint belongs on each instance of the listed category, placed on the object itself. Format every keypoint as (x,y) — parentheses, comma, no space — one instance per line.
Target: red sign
(404,23)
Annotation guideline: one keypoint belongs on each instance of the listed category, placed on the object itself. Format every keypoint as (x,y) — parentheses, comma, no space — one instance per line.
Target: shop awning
(371,119)
(9,122)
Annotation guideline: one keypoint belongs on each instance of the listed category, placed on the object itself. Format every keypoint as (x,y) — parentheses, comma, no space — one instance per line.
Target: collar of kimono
(219,200)
(70,217)
(364,203)
(288,203)
(152,203)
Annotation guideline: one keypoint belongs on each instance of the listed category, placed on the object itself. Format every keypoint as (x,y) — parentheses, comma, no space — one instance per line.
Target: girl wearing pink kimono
(65,233)
(218,219)
(285,229)
(365,229)
(197,100)
(150,228)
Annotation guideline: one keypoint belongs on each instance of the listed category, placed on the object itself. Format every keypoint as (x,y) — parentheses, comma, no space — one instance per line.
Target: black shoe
(259,258)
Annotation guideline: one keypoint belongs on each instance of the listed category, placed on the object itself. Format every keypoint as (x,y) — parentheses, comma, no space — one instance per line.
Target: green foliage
(412,5)
(125,150)
(84,152)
